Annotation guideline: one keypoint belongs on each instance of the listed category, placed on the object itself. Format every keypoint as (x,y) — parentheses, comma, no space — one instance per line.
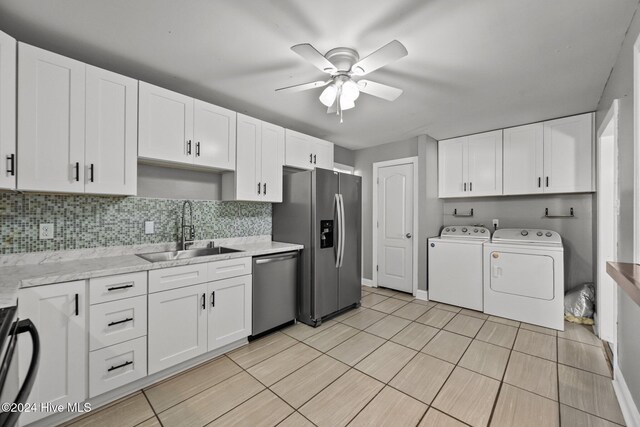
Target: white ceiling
(472,65)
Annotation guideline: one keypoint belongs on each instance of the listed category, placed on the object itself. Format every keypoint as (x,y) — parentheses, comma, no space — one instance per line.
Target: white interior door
(608,210)
(395,227)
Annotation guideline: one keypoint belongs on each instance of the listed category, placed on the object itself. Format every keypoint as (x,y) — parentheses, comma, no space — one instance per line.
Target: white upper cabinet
(214,134)
(470,165)
(306,152)
(165,125)
(179,130)
(523,159)
(568,154)
(258,174)
(7,111)
(485,164)
(51,121)
(111,133)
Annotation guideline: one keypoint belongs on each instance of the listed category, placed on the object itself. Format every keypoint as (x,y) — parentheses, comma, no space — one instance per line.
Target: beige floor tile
(261,349)
(539,329)
(129,411)
(349,313)
(451,308)
(411,311)
(583,356)
(423,302)
(404,296)
(296,420)
(536,344)
(388,326)
(447,346)
(520,408)
(331,337)
(415,336)
(464,325)
(384,363)
(582,333)
(213,402)
(436,318)
(356,348)
(297,388)
(183,386)
(389,305)
(571,417)
(372,299)
(435,418)
(589,392)
(339,403)
(275,368)
(468,397)
(390,408)
(474,313)
(384,291)
(486,359)
(364,319)
(504,321)
(263,410)
(422,377)
(498,334)
(301,332)
(151,422)
(539,376)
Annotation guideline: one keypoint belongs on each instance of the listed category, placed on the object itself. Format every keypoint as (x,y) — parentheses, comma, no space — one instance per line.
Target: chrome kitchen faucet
(191,229)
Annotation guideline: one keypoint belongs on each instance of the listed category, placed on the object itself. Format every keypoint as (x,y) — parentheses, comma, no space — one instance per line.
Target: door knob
(408,235)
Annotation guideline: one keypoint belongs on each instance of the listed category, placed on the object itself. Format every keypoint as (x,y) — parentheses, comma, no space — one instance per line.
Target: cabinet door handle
(547,181)
(539,182)
(465,186)
(91,173)
(258,188)
(117,322)
(198,149)
(77,167)
(264,188)
(188,147)
(204,305)
(12,164)
(310,158)
(77,303)
(213,299)
(122,365)
(115,288)
(314,159)
(471,186)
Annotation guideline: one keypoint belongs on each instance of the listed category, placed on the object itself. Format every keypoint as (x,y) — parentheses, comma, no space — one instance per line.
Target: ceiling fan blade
(381,57)
(310,53)
(378,89)
(304,86)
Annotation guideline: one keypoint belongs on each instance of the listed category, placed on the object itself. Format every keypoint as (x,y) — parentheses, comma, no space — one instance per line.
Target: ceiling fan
(344,66)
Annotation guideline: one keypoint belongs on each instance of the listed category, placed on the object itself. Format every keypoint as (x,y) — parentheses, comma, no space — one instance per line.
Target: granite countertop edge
(14,278)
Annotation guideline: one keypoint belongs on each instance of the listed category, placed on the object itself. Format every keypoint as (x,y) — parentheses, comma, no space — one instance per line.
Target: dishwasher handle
(276,259)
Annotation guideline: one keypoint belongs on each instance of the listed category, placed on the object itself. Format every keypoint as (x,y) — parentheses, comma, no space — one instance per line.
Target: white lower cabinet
(59,312)
(117,365)
(229,311)
(177,326)
(117,321)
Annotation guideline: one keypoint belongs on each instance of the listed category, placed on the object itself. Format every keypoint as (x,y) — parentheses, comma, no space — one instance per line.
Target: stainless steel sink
(190,253)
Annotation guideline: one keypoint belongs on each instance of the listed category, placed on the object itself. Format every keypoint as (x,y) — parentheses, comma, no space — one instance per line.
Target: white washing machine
(524,276)
(455,266)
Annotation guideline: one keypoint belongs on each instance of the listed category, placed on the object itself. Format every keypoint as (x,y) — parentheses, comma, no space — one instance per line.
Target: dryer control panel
(530,236)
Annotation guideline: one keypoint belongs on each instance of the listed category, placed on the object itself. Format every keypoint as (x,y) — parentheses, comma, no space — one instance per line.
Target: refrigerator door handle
(339,228)
(343,234)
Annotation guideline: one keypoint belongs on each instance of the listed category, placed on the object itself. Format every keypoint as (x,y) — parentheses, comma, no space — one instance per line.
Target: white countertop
(13,278)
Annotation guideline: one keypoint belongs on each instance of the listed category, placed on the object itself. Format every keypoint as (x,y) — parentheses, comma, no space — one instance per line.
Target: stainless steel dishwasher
(275,280)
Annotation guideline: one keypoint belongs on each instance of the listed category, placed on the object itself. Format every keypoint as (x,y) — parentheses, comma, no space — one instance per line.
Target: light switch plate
(46,231)
(149,227)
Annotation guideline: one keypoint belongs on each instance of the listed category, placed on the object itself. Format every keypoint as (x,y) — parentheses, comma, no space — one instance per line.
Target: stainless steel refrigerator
(321,209)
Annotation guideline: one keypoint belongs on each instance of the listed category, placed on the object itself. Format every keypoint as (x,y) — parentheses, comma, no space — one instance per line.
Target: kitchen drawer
(117,321)
(177,277)
(117,365)
(219,270)
(111,288)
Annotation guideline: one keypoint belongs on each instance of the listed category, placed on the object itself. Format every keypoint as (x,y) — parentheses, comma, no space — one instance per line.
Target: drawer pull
(122,365)
(128,319)
(213,299)
(115,288)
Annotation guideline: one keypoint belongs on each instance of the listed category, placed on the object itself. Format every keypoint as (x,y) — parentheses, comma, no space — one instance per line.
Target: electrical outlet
(149,227)
(496,224)
(46,231)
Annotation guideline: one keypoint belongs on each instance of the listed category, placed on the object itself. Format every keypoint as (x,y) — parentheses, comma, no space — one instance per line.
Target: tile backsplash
(92,221)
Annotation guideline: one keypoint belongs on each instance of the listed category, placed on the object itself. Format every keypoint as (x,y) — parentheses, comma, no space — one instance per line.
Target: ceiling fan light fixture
(328,95)
(346,103)
(350,90)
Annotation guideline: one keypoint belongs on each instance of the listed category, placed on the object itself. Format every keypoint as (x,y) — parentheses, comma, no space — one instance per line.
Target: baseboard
(627,405)
(367,282)
(422,295)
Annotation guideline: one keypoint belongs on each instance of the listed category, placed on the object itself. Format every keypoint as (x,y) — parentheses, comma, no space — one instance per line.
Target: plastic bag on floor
(579,303)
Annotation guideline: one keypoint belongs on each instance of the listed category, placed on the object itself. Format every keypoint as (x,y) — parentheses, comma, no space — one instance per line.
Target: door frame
(603,224)
(416,234)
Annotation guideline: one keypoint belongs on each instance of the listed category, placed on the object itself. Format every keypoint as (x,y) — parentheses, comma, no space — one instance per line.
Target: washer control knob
(524,233)
(539,233)
(483,230)
(475,230)
(453,229)
(464,230)
(447,229)
(548,234)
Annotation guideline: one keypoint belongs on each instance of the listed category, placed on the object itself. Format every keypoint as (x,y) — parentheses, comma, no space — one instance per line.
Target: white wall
(170,183)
